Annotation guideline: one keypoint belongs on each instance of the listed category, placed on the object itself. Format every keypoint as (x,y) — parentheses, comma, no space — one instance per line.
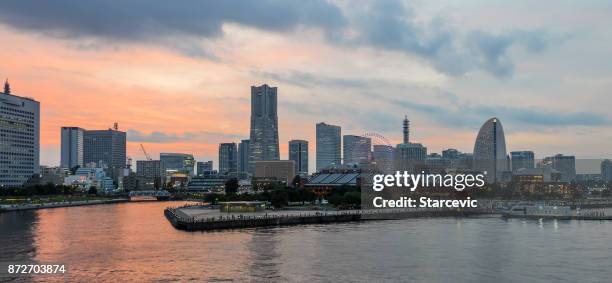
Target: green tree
(279,198)
(231,186)
(93,190)
(297,181)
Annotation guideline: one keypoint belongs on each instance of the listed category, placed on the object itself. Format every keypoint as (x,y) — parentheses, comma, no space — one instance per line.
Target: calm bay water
(133,241)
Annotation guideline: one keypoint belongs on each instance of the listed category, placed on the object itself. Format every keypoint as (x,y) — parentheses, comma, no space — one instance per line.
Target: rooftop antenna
(7,87)
(116,126)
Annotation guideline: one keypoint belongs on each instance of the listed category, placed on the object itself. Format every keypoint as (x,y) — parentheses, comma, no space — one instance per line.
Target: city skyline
(159,91)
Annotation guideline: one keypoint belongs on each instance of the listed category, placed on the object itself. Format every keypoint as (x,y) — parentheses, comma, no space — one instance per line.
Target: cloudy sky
(177,77)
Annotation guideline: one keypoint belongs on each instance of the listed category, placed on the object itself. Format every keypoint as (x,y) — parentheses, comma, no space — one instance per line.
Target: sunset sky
(176,75)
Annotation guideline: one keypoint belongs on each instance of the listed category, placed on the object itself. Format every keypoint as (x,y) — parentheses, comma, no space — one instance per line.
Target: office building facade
(275,170)
(298,152)
(149,174)
(565,164)
(522,160)
(329,144)
(72,147)
(264,125)
(204,167)
(19,138)
(176,163)
(243,156)
(227,158)
(106,146)
(606,171)
(382,156)
(356,149)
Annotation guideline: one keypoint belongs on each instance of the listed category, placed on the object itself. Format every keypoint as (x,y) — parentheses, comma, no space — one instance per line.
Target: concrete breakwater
(182,221)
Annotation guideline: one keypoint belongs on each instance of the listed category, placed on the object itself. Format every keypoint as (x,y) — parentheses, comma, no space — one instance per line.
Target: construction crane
(145,153)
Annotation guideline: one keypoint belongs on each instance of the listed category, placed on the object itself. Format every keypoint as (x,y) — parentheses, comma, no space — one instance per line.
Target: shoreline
(9,208)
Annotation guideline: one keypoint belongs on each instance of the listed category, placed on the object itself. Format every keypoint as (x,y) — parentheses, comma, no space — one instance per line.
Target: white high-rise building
(72,147)
(19,138)
(490,150)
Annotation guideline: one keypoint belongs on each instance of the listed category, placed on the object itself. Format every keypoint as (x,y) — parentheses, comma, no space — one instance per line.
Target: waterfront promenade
(17,207)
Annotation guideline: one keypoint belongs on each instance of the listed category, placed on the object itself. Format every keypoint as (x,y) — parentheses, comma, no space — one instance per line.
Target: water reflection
(16,241)
(263,260)
(134,242)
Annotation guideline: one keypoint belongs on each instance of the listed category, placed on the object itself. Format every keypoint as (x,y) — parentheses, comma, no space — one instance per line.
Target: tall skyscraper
(329,144)
(19,138)
(243,157)
(606,171)
(107,146)
(522,160)
(490,150)
(72,147)
(227,158)
(356,149)
(264,125)
(298,152)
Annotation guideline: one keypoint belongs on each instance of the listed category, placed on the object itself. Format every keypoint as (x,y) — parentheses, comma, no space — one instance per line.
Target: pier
(217,221)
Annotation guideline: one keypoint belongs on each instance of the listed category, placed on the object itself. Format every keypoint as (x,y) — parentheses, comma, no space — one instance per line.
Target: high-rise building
(383,157)
(107,146)
(72,147)
(149,168)
(329,144)
(19,138)
(356,149)
(298,152)
(227,158)
(522,159)
(264,125)
(149,174)
(204,167)
(409,156)
(181,163)
(490,150)
(243,157)
(565,164)
(606,171)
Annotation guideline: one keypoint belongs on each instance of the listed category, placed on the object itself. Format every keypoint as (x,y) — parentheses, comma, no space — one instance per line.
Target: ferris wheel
(382,157)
